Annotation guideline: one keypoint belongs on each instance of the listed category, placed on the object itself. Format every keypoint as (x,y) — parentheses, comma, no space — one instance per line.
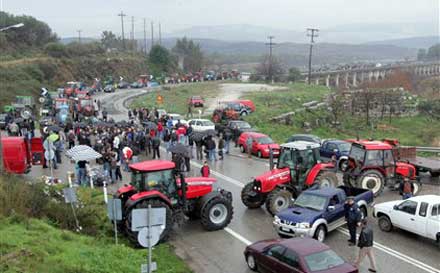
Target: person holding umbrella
(82,173)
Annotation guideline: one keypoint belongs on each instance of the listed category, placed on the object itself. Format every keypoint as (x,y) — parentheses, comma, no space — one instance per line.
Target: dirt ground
(233,91)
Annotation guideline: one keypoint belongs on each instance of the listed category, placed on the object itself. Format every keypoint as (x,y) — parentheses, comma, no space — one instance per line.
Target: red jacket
(159,127)
(152,133)
(205,171)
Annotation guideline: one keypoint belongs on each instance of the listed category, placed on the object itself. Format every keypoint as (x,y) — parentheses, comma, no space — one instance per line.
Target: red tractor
(372,164)
(157,182)
(299,167)
(85,106)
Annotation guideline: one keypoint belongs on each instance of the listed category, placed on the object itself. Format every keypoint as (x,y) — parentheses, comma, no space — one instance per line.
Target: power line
(312,33)
(122,24)
(270,44)
(160,34)
(145,36)
(152,34)
(79,35)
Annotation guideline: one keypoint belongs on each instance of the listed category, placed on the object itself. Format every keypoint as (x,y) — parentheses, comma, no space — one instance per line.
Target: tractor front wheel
(250,197)
(278,200)
(326,179)
(216,213)
(372,180)
(155,203)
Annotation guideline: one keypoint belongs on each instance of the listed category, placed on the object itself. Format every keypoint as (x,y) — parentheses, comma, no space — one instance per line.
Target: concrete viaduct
(354,77)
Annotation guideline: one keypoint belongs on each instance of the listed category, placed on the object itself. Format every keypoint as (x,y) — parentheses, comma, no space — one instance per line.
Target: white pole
(149,239)
(105,192)
(91,182)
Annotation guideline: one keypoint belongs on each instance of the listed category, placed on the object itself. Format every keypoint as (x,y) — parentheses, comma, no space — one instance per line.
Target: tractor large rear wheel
(250,197)
(155,203)
(372,180)
(327,179)
(278,200)
(216,213)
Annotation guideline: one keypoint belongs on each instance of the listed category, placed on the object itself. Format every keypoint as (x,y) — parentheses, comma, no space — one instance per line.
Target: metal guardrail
(428,149)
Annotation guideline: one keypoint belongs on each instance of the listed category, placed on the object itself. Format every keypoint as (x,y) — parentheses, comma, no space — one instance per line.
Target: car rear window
(323,260)
(206,123)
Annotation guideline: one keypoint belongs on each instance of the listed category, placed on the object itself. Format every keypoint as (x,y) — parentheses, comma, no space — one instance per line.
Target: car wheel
(364,212)
(320,233)
(250,260)
(385,223)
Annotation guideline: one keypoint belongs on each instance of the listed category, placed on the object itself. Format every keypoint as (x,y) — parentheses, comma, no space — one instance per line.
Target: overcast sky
(94,16)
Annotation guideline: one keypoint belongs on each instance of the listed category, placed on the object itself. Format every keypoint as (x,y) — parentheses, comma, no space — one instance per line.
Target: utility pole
(160,34)
(152,34)
(312,33)
(79,35)
(145,36)
(122,24)
(132,32)
(270,44)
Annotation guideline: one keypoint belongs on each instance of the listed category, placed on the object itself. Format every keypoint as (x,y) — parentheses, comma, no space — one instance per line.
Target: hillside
(411,42)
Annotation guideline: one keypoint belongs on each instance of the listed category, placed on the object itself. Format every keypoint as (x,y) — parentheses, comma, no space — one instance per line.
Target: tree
(294,74)
(421,54)
(190,52)
(336,106)
(433,53)
(265,67)
(161,60)
(109,40)
(56,50)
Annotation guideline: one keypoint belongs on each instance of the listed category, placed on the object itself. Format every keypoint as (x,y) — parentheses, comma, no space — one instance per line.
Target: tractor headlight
(304,225)
(276,219)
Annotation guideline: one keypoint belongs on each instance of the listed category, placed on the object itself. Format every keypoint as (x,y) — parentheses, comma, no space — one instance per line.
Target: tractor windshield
(292,158)
(162,181)
(357,153)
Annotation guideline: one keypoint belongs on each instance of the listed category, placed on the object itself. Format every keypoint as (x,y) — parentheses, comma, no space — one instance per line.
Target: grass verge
(175,100)
(32,245)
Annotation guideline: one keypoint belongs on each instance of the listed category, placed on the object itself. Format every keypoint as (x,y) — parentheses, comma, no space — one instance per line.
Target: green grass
(175,100)
(34,246)
(418,130)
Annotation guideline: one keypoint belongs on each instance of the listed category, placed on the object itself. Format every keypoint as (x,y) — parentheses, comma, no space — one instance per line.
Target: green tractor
(25,105)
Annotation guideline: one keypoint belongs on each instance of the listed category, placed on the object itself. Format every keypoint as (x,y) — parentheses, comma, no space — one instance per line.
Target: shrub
(56,50)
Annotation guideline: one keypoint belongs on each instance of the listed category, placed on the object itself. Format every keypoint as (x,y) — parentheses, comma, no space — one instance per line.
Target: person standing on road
(82,173)
(406,188)
(199,149)
(210,146)
(156,144)
(353,217)
(205,171)
(249,142)
(221,146)
(365,245)
(227,137)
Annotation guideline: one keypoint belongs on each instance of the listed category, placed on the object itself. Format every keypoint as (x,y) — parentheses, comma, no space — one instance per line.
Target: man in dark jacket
(353,217)
(156,144)
(365,245)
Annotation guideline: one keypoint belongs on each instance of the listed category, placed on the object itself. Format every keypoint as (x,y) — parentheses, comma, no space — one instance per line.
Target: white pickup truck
(419,215)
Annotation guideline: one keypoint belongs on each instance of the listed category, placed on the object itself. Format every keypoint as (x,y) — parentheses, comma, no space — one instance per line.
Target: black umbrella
(54,128)
(197,136)
(179,148)
(150,125)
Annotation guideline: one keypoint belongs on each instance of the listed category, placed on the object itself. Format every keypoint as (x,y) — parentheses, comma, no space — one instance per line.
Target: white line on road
(379,246)
(238,236)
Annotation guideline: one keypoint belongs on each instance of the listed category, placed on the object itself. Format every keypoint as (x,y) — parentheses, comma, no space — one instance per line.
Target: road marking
(398,255)
(238,236)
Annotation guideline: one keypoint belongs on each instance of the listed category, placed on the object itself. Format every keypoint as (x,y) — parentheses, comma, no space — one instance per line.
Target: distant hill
(412,42)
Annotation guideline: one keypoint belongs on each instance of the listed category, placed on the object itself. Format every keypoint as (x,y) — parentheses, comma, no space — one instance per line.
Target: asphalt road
(222,251)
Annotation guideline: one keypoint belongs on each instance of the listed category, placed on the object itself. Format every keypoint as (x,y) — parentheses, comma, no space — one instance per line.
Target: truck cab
(317,212)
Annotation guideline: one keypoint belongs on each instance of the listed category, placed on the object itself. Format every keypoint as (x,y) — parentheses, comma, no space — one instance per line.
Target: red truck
(19,155)
(196,101)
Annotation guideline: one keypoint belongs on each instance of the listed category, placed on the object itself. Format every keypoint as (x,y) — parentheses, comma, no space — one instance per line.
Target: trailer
(422,164)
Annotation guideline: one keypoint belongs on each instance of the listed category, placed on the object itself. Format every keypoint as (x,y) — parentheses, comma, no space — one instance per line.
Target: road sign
(159,99)
(114,209)
(139,218)
(70,195)
(144,267)
(155,233)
